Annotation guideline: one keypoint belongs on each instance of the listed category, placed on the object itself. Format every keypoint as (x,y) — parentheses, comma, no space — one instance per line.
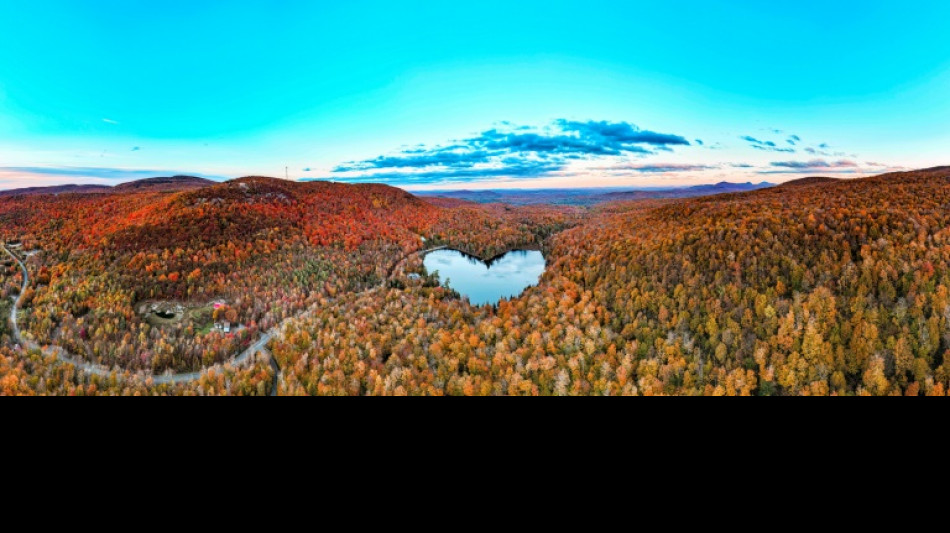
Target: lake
(483,283)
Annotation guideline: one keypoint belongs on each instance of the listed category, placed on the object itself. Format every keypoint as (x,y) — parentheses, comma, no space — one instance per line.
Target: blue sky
(475,95)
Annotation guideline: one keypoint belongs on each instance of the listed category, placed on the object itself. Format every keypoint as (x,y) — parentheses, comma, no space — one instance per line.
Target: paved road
(169,378)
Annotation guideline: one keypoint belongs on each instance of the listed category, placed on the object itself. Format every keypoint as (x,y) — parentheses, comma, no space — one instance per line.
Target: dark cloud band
(512,151)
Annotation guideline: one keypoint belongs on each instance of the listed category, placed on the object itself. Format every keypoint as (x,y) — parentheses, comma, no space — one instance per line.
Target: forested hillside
(829,287)
(250,252)
(821,287)
(812,288)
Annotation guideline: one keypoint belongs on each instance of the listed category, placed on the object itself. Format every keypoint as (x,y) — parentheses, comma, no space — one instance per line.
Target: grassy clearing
(200,318)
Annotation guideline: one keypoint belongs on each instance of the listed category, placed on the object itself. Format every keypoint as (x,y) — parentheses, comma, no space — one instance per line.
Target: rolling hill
(170,184)
(803,182)
(159,184)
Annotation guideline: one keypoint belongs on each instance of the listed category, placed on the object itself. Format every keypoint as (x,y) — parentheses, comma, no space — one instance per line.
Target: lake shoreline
(482,282)
(493,259)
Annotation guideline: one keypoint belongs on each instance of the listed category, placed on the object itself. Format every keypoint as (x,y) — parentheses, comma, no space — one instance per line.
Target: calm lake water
(505,277)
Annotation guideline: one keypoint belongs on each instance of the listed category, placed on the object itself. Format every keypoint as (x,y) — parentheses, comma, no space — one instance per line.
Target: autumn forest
(261,286)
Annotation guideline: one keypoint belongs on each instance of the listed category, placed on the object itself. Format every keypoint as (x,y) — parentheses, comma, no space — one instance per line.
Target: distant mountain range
(58,189)
(589,196)
(503,196)
(160,184)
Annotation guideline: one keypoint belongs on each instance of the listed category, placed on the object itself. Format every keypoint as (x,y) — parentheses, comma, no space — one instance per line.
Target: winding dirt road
(169,378)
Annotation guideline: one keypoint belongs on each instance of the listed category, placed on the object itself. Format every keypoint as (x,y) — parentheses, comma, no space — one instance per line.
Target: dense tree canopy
(811,288)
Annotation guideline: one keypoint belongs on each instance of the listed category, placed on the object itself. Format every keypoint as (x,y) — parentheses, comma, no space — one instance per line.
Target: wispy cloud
(767,146)
(137,149)
(110,121)
(815,164)
(657,168)
(757,142)
(823,151)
